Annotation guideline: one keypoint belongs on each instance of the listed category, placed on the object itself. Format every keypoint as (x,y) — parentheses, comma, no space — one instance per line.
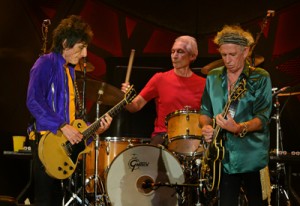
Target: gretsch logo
(134,163)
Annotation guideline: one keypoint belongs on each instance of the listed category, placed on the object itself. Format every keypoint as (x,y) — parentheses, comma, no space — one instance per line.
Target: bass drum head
(131,173)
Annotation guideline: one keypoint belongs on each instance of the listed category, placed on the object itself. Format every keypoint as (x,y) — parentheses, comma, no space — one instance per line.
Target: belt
(36,135)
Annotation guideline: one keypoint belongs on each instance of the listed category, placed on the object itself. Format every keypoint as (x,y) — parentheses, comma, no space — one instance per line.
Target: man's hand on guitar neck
(71,133)
(228,124)
(104,124)
(74,136)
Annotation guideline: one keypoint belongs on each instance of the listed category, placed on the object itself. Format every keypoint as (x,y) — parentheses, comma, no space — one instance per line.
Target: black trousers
(230,189)
(47,190)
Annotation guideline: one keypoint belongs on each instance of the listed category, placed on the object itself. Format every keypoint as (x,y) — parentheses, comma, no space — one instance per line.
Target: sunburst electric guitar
(214,153)
(59,156)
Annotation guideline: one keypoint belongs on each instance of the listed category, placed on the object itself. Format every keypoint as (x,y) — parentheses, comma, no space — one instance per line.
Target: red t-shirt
(171,93)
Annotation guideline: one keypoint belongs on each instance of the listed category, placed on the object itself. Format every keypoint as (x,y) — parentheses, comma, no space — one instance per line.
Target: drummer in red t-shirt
(172,90)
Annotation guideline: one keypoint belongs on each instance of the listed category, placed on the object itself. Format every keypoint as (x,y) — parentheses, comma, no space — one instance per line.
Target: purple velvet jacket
(48,92)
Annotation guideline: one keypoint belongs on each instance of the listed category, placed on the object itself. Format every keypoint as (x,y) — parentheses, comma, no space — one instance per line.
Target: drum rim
(178,112)
(186,137)
(116,138)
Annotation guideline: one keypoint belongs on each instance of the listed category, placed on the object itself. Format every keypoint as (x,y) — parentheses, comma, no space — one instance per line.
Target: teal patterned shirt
(250,153)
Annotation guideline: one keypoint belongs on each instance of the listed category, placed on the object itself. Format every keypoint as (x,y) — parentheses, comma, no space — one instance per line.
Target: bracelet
(244,131)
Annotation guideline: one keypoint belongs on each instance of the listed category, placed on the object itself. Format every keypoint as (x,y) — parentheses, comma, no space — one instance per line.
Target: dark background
(150,28)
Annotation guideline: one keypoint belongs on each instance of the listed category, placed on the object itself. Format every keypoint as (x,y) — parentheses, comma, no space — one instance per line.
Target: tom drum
(184,134)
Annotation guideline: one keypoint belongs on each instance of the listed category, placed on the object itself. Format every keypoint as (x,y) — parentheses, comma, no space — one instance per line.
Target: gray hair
(191,44)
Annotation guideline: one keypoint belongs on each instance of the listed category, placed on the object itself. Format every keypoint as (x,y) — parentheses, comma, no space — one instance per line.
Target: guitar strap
(233,105)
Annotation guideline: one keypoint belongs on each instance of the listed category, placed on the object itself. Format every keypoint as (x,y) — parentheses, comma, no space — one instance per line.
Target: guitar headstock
(130,94)
(238,91)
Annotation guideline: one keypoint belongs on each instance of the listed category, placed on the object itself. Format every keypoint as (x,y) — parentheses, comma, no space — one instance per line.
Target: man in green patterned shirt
(244,128)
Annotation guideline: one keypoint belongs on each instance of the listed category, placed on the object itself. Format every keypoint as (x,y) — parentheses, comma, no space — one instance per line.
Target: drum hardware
(74,196)
(149,185)
(74,188)
(192,191)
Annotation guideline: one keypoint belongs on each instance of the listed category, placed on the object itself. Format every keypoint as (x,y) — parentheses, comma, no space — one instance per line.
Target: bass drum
(109,148)
(133,177)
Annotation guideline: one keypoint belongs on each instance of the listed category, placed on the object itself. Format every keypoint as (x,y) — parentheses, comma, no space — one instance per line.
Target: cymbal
(110,94)
(80,66)
(219,63)
(212,65)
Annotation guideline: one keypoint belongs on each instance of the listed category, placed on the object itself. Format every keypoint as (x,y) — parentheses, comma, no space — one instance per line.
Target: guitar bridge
(68,148)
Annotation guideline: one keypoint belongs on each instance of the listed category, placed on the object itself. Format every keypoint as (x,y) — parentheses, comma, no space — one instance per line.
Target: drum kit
(131,171)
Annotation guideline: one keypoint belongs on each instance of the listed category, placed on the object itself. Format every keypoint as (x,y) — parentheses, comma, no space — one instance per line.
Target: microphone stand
(279,149)
(97,140)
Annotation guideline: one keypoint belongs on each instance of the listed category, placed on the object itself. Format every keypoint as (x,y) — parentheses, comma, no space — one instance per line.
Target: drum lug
(187,117)
(107,149)
(129,143)
(187,131)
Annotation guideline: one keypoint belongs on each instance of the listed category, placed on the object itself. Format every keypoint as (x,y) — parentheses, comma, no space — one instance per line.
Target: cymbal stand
(200,187)
(280,167)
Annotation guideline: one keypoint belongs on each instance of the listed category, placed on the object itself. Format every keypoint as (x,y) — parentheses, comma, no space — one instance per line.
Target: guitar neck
(95,126)
(270,13)
(217,128)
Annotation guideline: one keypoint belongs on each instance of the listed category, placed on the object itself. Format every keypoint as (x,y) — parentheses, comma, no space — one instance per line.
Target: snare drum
(133,171)
(184,133)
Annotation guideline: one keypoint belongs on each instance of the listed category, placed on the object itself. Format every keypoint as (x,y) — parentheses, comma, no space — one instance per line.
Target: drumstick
(129,66)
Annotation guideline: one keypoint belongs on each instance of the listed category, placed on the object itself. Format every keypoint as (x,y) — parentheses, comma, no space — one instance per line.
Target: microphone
(270,13)
(280,91)
(101,89)
(100,93)
(46,22)
(148,183)
(84,62)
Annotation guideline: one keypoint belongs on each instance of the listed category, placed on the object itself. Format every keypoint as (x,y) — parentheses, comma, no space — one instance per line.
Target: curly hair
(234,34)
(72,29)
